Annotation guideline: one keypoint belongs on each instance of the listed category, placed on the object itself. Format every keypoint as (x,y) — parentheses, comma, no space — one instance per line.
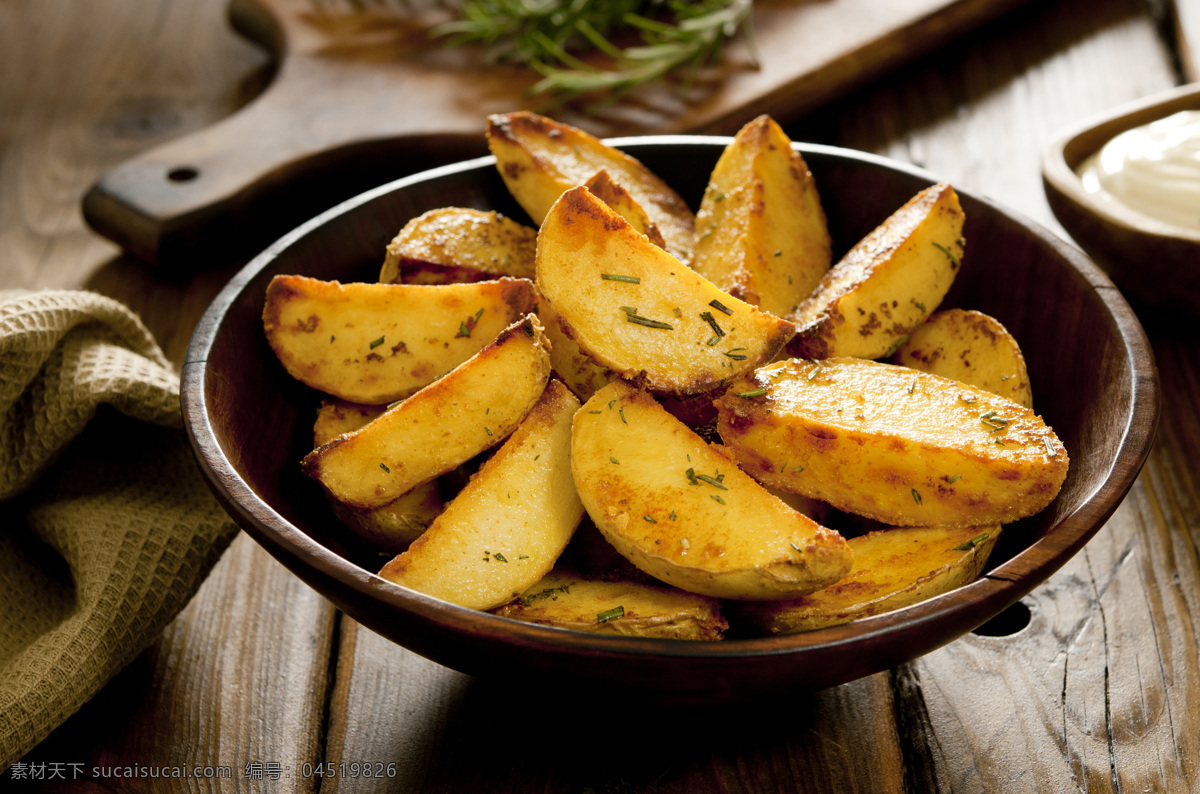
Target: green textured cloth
(107,528)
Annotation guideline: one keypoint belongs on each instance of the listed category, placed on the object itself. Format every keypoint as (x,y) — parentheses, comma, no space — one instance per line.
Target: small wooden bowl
(1156,264)
(1089,362)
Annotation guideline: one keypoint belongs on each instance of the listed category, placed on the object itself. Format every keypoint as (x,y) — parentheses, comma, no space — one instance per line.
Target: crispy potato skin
(471,409)
(887,284)
(971,347)
(376,343)
(893,568)
(570,601)
(604,188)
(458,244)
(892,444)
(539,159)
(761,233)
(715,531)
(582,241)
(507,527)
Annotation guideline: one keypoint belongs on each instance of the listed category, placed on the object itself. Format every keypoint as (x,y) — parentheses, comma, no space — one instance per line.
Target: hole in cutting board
(1007,623)
(184,173)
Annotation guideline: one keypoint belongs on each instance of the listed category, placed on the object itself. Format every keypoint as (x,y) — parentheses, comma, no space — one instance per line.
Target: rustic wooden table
(1092,685)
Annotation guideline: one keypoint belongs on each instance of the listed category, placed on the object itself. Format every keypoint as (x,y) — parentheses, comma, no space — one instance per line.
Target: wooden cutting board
(362,96)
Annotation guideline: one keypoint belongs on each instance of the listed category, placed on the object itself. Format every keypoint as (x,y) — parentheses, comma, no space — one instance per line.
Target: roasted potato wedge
(634,309)
(377,343)
(887,284)
(971,347)
(602,187)
(760,233)
(472,408)
(540,159)
(576,369)
(892,444)
(681,510)
(506,528)
(453,245)
(570,601)
(893,568)
(395,525)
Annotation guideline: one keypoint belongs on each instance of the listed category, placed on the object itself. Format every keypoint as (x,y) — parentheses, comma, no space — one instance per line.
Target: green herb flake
(916,495)
(331,338)
(713,482)
(722,308)
(712,323)
(949,254)
(594,412)
(523,557)
(716,498)
(713,340)
(619,277)
(973,542)
(611,459)
(649,519)
(621,412)
(610,614)
(487,430)
(752,393)
(500,557)
(691,475)
(953,478)
(672,516)
(384,466)
(798,469)
(376,342)
(464,330)
(637,319)
(736,354)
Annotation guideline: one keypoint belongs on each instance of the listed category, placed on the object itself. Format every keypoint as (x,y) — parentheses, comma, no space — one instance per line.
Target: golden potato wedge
(636,310)
(377,343)
(971,347)
(471,409)
(887,284)
(891,443)
(681,510)
(576,369)
(893,568)
(602,187)
(540,159)
(505,530)
(454,245)
(570,601)
(760,232)
(395,525)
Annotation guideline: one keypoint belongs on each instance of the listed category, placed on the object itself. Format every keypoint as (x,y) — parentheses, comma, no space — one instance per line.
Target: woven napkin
(107,528)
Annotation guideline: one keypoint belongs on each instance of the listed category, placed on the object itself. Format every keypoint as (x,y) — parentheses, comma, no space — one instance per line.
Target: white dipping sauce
(1154,170)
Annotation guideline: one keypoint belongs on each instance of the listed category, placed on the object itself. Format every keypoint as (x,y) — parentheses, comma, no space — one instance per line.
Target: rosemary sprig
(561,38)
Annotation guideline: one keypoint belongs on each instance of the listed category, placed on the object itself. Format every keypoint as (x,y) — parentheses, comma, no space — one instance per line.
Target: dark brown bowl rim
(1073,145)
(963,609)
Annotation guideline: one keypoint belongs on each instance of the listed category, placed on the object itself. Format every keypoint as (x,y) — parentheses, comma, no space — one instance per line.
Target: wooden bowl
(1156,264)
(1089,362)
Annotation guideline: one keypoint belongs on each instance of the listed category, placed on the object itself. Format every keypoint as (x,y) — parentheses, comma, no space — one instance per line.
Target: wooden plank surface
(1098,693)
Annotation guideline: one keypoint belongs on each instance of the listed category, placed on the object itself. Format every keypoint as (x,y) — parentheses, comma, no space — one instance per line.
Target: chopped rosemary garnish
(735,355)
(549,592)
(973,542)
(713,340)
(752,393)
(621,411)
(618,277)
(716,498)
(712,323)
(499,557)
(595,412)
(714,482)
(917,496)
(611,459)
(672,516)
(632,316)
(376,342)
(384,466)
(953,478)
(487,430)
(610,614)
(949,254)
(891,351)
(650,519)
(722,308)
(691,475)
